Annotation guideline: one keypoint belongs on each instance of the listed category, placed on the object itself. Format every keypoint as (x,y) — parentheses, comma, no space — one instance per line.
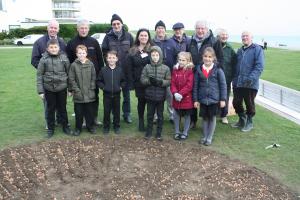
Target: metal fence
(279,94)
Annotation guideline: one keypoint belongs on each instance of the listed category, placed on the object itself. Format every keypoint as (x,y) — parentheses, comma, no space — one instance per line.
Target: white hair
(53,21)
(201,23)
(82,22)
(219,31)
(248,33)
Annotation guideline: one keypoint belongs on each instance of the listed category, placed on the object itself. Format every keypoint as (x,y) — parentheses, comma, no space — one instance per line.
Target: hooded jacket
(158,71)
(82,81)
(52,73)
(250,64)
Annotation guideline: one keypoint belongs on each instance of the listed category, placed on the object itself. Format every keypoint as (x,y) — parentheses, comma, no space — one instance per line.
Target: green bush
(6,42)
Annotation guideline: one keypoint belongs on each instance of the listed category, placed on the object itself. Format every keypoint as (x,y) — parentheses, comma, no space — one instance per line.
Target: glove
(248,83)
(159,82)
(152,81)
(178,97)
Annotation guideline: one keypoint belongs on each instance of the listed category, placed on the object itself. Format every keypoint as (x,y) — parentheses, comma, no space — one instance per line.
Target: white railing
(279,94)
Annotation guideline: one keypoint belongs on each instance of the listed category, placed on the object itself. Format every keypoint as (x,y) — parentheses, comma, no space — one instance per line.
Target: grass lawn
(22,122)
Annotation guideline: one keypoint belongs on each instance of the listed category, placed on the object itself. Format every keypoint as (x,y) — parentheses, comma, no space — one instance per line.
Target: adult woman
(137,58)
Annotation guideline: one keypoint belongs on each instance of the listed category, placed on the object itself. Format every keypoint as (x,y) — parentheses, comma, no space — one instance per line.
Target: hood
(158,49)
(86,64)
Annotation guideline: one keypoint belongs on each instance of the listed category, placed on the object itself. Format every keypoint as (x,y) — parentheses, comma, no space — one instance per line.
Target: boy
(52,78)
(156,77)
(111,80)
(82,82)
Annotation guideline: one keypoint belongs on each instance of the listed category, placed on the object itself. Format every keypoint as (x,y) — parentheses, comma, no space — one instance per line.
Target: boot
(49,133)
(67,130)
(242,121)
(249,124)
(141,125)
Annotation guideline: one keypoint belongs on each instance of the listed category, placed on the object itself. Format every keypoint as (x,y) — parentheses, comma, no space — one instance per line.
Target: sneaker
(206,143)
(183,137)
(76,132)
(46,127)
(171,121)
(117,130)
(128,120)
(224,120)
(97,123)
(147,137)
(177,136)
(159,138)
(92,130)
(50,133)
(105,131)
(67,130)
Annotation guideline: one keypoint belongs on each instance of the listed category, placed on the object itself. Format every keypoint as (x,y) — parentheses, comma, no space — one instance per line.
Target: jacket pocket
(78,96)
(92,94)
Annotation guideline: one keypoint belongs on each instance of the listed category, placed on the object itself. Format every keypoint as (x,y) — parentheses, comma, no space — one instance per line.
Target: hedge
(66,31)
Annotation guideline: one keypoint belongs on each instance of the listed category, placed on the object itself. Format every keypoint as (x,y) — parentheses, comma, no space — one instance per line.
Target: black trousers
(96,104)
(85,110)
(246,95)
(224,111)
(111,104)
(194,116)
(151,107)
(56,100)
(141,105)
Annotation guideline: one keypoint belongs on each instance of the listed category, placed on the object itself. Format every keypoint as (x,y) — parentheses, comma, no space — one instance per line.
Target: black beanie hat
(115,17)
(160,23)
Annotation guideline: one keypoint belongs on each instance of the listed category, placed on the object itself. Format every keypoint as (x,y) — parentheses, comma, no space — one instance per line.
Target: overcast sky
(262,17)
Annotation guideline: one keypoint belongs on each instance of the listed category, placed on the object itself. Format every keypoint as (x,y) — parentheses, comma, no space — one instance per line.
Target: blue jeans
(126,102)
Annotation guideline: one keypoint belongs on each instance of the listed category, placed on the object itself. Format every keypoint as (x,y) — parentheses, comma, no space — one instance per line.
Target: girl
(209,92)
(181,89)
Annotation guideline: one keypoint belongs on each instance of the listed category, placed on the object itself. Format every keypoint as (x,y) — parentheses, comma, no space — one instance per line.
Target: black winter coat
(94,51)
(40,46)
(210,41)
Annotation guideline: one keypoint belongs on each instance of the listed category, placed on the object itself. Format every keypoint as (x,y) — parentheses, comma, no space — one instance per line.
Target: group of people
(189,73)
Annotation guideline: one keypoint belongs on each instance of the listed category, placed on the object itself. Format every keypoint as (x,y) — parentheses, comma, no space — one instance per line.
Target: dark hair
(210,50)
(113,52)
(134,49)
(52,42)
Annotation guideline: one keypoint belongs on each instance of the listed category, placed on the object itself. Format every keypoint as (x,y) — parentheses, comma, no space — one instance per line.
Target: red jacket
(182,82)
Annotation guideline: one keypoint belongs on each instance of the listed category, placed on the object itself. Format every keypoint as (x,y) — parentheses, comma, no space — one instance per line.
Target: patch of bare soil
(129,168)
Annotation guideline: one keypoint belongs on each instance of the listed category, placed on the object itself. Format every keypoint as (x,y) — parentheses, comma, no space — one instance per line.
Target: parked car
(28,39)
(99,37)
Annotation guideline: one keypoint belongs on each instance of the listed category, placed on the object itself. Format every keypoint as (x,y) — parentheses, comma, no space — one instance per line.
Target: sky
(261,17)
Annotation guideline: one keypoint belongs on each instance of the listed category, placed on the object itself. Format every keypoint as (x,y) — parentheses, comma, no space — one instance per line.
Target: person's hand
(70,94)
(159,82)
(222,104)
(248,83)
(42,96)
(152,81)
(196,104)
(178,97)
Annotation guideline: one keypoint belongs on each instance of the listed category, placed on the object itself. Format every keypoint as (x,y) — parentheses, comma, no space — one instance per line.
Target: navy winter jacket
(250,64)
(209,90)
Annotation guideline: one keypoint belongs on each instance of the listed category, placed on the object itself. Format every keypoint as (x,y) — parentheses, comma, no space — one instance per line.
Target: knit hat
(115,17)
(160,23)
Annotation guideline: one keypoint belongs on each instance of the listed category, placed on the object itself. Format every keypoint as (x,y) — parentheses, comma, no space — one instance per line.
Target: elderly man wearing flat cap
(180,39)
(119,40)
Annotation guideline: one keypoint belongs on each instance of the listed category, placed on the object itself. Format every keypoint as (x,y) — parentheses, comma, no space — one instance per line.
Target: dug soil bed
(129,168)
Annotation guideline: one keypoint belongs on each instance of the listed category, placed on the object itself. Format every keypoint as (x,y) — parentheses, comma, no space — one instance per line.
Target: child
(82,80)
(52,82)
(209,92)
(111,80)
(156,77)
(181,88)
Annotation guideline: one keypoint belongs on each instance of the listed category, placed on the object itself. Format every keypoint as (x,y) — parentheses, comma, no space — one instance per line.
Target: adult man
(250,64)
(94,53)
(203,38)
(169,57)
(180,39)
(119,40)
(40,46)
(229,62)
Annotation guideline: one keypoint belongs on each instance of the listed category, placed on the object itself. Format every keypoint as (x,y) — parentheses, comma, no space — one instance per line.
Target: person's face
(223,37)
(117,25)
(83,30)
(208,58)
(53,49)
(81,54)
(201,31)
(182,61)
(112,59)
(155,56)
(143,37)
(179,32)
(160,31)
(53,29)
(246,38)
